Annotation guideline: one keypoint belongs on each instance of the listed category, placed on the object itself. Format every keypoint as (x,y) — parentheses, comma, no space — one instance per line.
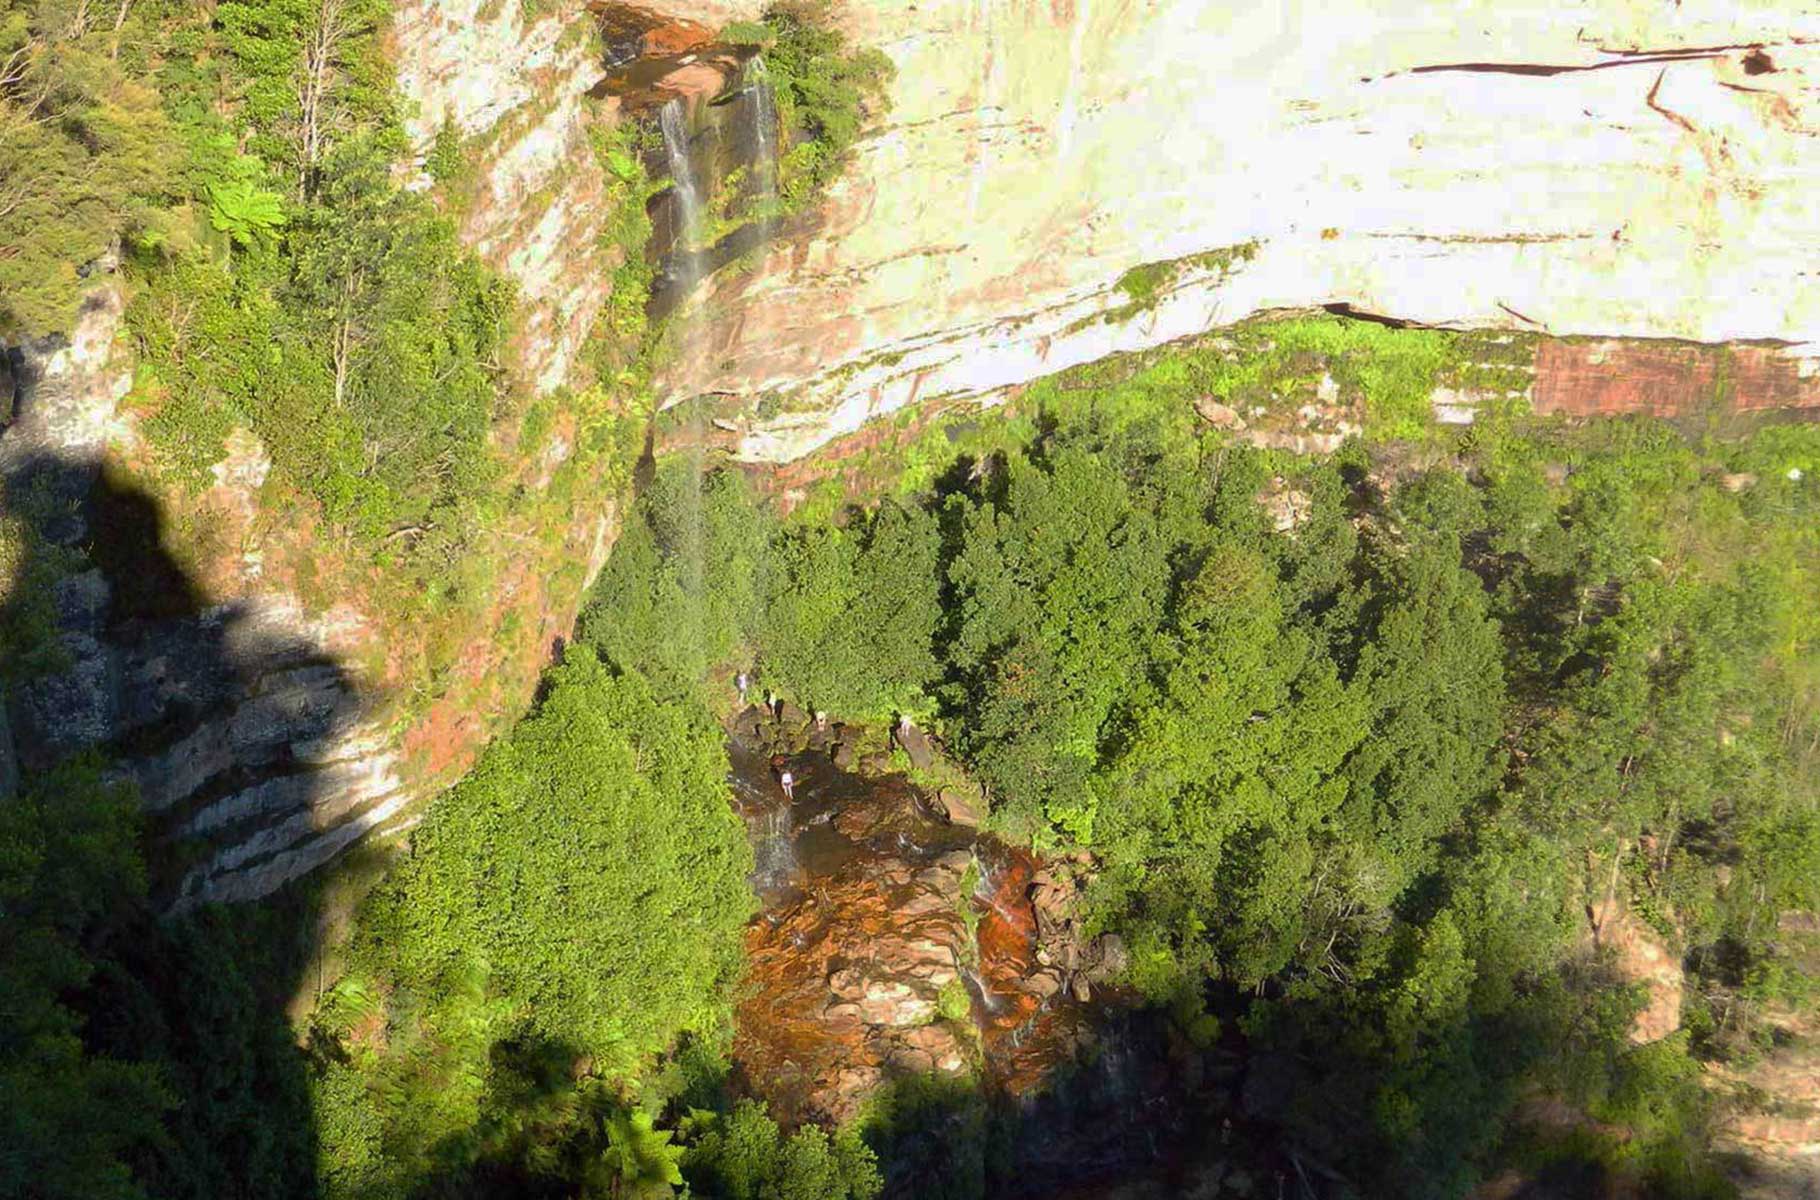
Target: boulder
(957,808)
(915,744)
(1106,958)
(1043,984)
(1641,955)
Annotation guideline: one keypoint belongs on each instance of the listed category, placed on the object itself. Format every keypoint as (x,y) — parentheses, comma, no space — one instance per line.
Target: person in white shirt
(788,782)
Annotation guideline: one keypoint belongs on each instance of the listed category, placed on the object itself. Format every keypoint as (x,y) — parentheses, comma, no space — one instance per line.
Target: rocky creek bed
(898,943)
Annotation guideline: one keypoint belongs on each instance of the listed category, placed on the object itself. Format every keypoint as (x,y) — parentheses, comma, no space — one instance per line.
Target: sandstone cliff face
(257,683)
(1611,168)
(516,91)
(235,718)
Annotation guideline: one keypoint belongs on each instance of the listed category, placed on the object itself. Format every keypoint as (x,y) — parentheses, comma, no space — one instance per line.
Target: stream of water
(876,911)
(685,257)
(764,141)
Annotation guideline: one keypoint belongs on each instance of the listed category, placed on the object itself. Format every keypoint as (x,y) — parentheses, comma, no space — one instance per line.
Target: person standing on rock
(742,682)
(787,781)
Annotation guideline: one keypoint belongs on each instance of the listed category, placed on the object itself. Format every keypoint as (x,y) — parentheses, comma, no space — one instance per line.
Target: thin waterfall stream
(764,142)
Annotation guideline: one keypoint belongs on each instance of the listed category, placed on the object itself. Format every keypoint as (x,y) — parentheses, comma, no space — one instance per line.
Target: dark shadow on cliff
(134,710)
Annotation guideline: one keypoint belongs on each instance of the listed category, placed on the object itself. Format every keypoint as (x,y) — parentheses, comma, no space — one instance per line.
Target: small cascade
(764,142)
(686,270)
(773,848)
(685,256)
(982,887)
(982,995)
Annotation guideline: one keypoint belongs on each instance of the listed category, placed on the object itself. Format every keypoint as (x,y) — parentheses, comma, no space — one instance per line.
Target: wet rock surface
(895,942)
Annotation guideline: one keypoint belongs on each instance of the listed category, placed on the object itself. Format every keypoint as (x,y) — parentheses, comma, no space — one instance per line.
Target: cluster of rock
(903,942)
(1063,951)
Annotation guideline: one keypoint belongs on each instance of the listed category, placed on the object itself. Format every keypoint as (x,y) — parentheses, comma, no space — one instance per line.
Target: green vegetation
(1349,787)
(241,157)
(742,1155)
(86,150)
(823,87)
(138,1056)
(566,914)
(29,569)
(1349,790)
(318,304)
(1144,285)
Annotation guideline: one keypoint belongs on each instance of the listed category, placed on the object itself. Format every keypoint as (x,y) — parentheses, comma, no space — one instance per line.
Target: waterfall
(977,986)
(983,886)
(773,850)
(685,258)
(685,272)
(764,141)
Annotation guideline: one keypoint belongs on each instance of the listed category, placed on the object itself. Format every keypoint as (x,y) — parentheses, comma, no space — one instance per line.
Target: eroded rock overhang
(1618,170)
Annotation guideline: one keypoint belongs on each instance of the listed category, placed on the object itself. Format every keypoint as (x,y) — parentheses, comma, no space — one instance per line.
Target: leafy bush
(86,151)
(823,87)
(566,867)
(742,1155)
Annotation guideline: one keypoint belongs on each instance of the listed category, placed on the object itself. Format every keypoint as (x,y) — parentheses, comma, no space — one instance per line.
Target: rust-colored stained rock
(857,963)
(1668,379)
(1642,956)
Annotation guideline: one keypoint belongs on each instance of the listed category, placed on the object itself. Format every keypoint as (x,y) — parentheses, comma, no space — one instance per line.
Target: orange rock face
(876,958)
(1668,379)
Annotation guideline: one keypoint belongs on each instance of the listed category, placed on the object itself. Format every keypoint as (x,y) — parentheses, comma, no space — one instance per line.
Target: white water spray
(773,850)
(764,141)
(685,258)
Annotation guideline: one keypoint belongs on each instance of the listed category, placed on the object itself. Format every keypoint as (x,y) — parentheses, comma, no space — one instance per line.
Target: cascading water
(764,143)
(685,256)
(685,270)
(773,847)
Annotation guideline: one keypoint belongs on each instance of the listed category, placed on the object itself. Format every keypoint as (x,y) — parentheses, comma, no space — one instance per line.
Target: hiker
(821,719)
(901,730)
(788,782)
(777,708)
(741,682)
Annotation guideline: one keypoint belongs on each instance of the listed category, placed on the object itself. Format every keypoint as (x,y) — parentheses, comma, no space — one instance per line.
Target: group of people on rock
(774,704)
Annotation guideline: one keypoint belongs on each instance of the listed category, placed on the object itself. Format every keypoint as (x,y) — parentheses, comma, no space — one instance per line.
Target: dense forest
(1363,748)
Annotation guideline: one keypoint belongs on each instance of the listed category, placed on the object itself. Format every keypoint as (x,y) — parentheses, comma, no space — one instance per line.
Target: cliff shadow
(143,731)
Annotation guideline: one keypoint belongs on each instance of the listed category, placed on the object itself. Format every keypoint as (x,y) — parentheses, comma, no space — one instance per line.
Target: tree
(742,1155)
(591,869)
(1226,778)
(1056,590)
(71,1119)
(85,152)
